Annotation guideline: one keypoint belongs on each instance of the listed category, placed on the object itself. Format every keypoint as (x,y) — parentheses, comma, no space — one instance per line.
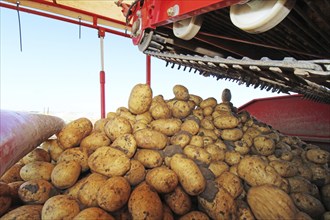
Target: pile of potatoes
(184,158)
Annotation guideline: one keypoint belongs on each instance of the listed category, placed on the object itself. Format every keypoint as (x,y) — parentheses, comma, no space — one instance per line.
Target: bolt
(170,11)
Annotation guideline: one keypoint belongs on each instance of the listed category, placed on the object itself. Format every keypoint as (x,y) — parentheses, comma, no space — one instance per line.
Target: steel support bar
(148,68)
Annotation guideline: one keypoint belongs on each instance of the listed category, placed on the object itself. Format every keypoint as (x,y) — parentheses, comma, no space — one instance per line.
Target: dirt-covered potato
(233,134)
(191,125)
(24,212)
(218,167)
(198,154)
(197,141)
(136,174)
(162,179)
(284,168)
(223,206)
(301,184)
(325,194)
(226,121)
(264,203)
(36,191)
(308,204)
(14,186)
(195,215)
(109,162)
(232,157)
(216,153)
(243,210)
(178,201)
(113,194)
(231,183)
(60,207)
(181,92)
(54,149)
(99,124)
(95,140)
(5,198)
(264,145)
(145,202)
(150,139)
(208,102)
(87,192)
(182,138)
(65,174)
(318,156)
(126,143)
(190,176)
(116,127)
(12,174)
(93,213)
(140,99)
(166,126)
(196,99)
(73,133)
(38,154)
(36,170)
(144,117)
(149,158)
(159,109)
(75,154)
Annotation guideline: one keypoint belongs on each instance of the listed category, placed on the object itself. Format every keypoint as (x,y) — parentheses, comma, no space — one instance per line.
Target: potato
(195,215)
(36,170)
(182,138)
(241,147)
(93,141)
(60,207)
(318,156)
(223,206)
(65,174)
(136,174)
(5,203)
(99,125)
(140,99)
(12,174)
(178,201)
(181,93)
(226,121)
(72,134)
(231,183)
(36,191)
(162,179)
(325,193)
(256,172)
(302,216)
(144,117)
(208,133)
(139,125)
(207,124)
(233,134)
(218,167)
(243,210)
(308,204)
(73,190)
(263,145)
(232,157)
(109,162)
(166,126)
(320,174)
(126,143)
(116,127)
(191,125)
(87,193)
(160,110)
(93,213)
(207,111)
(190,177)
(24,212)
(113,194)
(144,203)
(216,153)
(199,155)
(270,202)
(149,158)
(196,99)
(284,168)
(167,213)
(198,113)
(181,109)
(300,184)
(37,154)
(14,186)
(75,154)
(55,150)
(208,102)
(150,139)
(197,141)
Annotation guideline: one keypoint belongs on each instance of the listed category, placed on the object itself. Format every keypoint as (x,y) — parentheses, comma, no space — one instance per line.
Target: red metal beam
(148,69)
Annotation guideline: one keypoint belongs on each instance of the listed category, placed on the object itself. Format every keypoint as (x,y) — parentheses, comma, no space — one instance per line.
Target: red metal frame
(148,70)
(155,13)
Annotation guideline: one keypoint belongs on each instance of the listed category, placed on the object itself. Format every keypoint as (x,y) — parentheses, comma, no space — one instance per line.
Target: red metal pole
(148,67)
(102,74)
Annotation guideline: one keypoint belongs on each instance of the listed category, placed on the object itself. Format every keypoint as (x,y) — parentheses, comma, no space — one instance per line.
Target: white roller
(258,16)
(188,28)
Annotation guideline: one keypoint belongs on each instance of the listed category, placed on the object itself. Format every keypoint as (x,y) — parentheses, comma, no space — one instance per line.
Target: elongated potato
(190,177)
(191,125)
(208,102)
(233,134)
(218,167)
(60,207)
(308,204)
(150,139)
(166,126)
(24,212)
(178,201)
(144,203)
(54,149)
(182,138)
(37,154)
(73,133)
(109,162)
(162,179)
(65,174)
(12,174)
(231,183)
(226,121)
(198,154)
(93,213)
(36,170)
(149,158)
(318,156)
(95,140)
(181,92)
(140,99)
(284,168)
(36,191)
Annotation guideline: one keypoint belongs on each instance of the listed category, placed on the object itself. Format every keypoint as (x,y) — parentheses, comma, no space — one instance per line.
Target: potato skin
(95,140)
(226,121)
(195,215)
(178,201)
(144,203)
(264,145)
(149,158)
(166,126)
(181,92)
(308,204)
(93,213)
(136,174)
(114,193)
(140,99)
(65,174)
(126,143)
(12,174)
(162,179)
(73,133)
(37,191)
(150,139)
(116,127)
(38,154)
(109,162)
(36,170)
(190,177)
(231,183)
(233,134)
(24,212)
(75,154)
(197,154)
(60,207)
(318,156)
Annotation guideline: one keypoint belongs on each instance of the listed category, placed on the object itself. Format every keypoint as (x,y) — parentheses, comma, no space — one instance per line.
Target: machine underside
(293,56)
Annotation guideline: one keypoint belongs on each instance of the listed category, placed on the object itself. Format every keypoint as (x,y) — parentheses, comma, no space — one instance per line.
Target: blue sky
(58,71)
